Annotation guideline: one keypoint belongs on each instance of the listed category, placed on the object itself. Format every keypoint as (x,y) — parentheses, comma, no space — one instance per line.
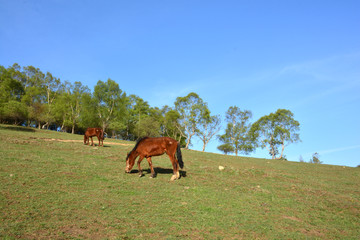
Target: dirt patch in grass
(312,232)
(292,218)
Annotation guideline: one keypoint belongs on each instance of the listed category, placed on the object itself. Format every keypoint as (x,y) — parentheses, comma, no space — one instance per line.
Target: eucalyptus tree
(315,158)
(11,91)
(208,127)
(13,112)
(62,110)
(51,87)
(137,109)
(109,98)
(11,87)
(276,130)
(68,105)
(236,138)
(34,96)
(149,126)
(76,93)
(226,148)
(170,124)
(89,115)
(192,110)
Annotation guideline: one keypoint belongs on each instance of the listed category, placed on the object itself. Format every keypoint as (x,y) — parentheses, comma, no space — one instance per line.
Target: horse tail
(179,156)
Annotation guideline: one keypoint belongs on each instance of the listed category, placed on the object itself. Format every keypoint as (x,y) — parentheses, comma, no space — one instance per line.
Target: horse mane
(136,145)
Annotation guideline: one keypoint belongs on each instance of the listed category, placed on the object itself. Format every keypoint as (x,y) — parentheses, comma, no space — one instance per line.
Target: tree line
(30,97)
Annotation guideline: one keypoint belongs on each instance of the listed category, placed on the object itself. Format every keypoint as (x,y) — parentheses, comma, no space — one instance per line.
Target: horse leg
(139,167)
(151,167)
(175,164)
(92,143)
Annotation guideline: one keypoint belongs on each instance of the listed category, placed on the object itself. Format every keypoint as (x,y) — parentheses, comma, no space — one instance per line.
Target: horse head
(130,161)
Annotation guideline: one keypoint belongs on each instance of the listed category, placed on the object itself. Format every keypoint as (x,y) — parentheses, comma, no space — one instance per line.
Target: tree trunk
(282,150)
(188,142)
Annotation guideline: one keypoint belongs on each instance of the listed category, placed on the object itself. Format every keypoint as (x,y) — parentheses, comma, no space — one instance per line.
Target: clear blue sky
(258,55)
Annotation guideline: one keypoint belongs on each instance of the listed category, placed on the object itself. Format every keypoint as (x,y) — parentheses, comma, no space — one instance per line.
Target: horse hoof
(173,178)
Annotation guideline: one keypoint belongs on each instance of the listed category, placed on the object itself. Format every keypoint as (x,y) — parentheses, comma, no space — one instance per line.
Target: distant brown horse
(147,147)
(92,132)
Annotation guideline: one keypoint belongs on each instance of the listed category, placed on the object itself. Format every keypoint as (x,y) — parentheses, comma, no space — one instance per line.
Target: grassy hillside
(54,187)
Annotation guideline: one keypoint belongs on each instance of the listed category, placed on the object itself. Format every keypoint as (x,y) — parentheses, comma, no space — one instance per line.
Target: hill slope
(57,189)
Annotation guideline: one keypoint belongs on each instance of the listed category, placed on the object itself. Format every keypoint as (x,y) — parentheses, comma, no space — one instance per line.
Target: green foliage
(237,131)
(148,126)
(276,130)
(226,148)
(207,128)
(89,115)
(192,111)
(138,111)
(10,87)
(14,111)
(315,158)
(109,99)
(170,125)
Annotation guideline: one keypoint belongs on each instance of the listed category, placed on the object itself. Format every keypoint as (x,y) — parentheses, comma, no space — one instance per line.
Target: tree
(89,115)
(170,125)
(148,127)
(109,99)
(11,91)
(138,109)
(34,96)
(315,158)
(62,109)
(10,87)
(208,127)
(276,130)
(237,131)
(192,110)
(51,87)
(68,104)
(14,111)
(226,148)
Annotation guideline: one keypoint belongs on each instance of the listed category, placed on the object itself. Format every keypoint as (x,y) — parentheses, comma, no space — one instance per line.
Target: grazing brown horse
(147,147)
(91,132)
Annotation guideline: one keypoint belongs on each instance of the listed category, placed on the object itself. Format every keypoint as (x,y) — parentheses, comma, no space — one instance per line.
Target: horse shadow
(105,146)
(159,170)
(97,145)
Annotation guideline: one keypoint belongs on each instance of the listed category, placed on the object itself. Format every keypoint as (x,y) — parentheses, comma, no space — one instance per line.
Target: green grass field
(54,187)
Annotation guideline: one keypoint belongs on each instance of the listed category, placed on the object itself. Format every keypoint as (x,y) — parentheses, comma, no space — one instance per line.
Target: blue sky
(258,55)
